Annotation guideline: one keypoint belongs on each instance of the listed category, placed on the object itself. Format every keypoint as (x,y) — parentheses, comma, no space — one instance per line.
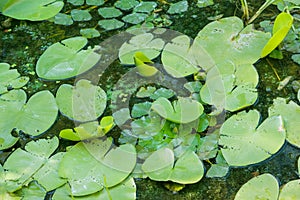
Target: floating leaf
(66,59)
(21,165)
(282,25)
(145,92)
(3,193)
(291,190)
(217,170)
(178,7)
(134,18)
(177,57)
(244,143)
(141,62)
(184,110)
(32,10)
(145,7)
(109,12)
(204,3)
(110,24)
(126,4)
(296,58)
(121,116)
(33,117)
(264,186)
(141,109)
(89,32)
(10,78)
(82,102)
(290,113)
(162,92)
(106,168)
(76,2)
(63,19)
(33,191)
(187,169)
(95,2)
(145,43)
(81,15)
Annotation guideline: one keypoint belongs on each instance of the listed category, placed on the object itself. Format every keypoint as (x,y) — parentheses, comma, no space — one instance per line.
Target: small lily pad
(204,3)
(82,102)
(33,191)
(81,15)
(63,19)
(126,4)
(66,59)
(10,78)
(95,2)
(141,109)
(134,18)
(145,7)
(76,2)
(145,43)
(178,7)
(264,186)
(162,92)
(109,12)
(184,110)
(110,24)
(244,142)
(89,32)
(145,92)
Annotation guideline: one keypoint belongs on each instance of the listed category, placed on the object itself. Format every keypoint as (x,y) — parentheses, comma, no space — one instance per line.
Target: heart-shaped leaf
(243,143)
(184,110)
(82,102)
(66,59)
(33,117)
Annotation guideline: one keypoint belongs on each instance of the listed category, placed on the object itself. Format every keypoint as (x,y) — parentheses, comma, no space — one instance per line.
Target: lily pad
(162,92)
(33,191)
(89,32)
(264,186)
(76,2)
(178,7)
(141,109)
(82,102)
(126,4)
(66,59)
(110,24)
(33,117)
(3,193)
(204,3)
(134,18)
(290,113)
(159,166)
(296,58)
(10,78)
(21,165)
(291,190)
(95,2)
(145,7)
(32,10)
(145,92)
(107,168)
(145,43)
(109,12)
(184,110)
(81,15)
(243,142)
(63,19)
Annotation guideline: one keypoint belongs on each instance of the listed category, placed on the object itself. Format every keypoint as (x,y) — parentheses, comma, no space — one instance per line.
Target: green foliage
(81,15)
(63,19)
(31,10)
(89,32)
(178,7)
(204,3)
(66,59)
(145,7)
(126,4)
(110,24)
(82,102)
(109,12)
(141,62)
(134,18)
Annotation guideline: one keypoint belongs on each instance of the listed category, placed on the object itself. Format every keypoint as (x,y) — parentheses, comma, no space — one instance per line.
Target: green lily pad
(95,2)
(178,7)
(89,32)
(204,3)
(107,168)
(145,43)
(177,57)
(162,92)
(264,186)
(10,78)
(21,165)
(126,4)
(109,12)
(143,65)
(82,102)
(296,58)
(134,18)
(141,109)
(66,59)
(145,7)
(184,110)
(33,191)
(31,10)
(81,15)
(3,193)
(290,113)
(244,142)
(238,45)
(63,19)
(145,92)
(110,24)
(291,190)
(159,166)
(33,117)
(76,2)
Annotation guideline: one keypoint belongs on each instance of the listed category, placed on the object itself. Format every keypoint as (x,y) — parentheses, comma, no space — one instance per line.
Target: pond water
(23,42)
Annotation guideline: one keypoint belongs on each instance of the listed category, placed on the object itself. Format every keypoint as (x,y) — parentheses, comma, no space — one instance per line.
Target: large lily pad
(21,165)
(106,168)
(31,10)
(66,59)
(33,117)
(290,113)
(290,191)
(160,166)
(237,44)
(145,43)
(264,186)
(244,142)
(82,102)
(184,110)
(10,79)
